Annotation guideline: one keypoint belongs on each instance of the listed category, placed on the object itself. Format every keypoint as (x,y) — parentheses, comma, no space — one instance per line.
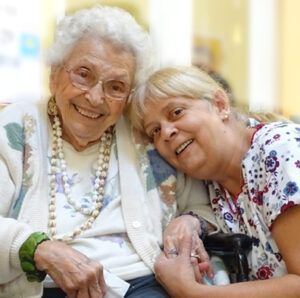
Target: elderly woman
(252,174)
(79,200)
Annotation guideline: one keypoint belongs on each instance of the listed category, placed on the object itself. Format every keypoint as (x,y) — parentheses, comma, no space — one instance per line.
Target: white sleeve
(12,232)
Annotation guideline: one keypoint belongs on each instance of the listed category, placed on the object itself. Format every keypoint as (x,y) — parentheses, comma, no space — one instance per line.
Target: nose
(95,94)
(168,131)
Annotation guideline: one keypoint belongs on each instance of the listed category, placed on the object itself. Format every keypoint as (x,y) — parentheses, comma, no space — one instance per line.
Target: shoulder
(272,168)
(274,154)
(280,136)
(21,123)
(17,111)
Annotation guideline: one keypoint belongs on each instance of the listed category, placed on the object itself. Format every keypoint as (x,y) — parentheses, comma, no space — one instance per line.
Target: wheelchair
(233,250)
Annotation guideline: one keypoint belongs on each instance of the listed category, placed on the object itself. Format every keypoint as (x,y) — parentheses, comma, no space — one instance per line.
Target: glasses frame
(77,85)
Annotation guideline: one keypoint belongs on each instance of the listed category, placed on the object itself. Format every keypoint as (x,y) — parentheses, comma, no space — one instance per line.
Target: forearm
(287,286)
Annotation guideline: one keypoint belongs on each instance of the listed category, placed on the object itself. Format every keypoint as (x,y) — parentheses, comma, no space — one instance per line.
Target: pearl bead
(77,232)
(95,213)
(52,216)
(52,231)
(51,208)
(98,205)
(52,224)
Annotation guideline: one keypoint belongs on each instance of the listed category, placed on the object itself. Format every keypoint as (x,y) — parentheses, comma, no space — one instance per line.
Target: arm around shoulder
(192,196)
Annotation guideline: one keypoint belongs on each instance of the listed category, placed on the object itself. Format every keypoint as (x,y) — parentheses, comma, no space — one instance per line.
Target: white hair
(109,23)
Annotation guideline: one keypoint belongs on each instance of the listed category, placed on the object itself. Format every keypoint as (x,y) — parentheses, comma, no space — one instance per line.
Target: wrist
(26,256)
(202,223)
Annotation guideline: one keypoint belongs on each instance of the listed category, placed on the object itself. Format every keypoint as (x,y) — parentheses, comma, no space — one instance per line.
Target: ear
(221,103)
(53,79)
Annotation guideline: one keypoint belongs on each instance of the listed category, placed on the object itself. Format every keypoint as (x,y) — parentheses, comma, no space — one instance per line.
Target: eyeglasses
(84,79)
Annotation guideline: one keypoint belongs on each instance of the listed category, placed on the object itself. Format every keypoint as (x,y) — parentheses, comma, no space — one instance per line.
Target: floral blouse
(271,172)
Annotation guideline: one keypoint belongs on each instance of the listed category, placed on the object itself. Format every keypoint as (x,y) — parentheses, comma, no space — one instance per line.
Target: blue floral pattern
(156,172)
(271,172)
(161,169)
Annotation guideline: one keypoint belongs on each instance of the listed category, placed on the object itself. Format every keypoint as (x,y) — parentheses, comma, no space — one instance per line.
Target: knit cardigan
(149,188)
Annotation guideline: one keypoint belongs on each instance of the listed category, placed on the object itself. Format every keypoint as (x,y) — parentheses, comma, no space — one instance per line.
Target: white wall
(20,67)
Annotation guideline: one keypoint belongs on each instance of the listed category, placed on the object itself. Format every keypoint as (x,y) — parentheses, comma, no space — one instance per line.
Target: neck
(231,176)
(78,144)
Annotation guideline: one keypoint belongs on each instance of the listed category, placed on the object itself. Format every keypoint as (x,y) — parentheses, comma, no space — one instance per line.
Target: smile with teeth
(86,113)
(183,146)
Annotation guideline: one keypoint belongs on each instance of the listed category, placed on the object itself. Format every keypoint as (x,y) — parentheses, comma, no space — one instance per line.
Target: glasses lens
(116,89)
(83,78)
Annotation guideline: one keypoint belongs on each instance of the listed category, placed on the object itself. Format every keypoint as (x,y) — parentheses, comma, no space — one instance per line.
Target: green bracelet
(26,255)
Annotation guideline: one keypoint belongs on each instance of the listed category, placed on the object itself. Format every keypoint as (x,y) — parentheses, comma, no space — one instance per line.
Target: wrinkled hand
(177,274)
(77,275)
(176,233)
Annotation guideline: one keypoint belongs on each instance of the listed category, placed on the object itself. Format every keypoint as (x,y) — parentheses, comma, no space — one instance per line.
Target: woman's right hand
(77,275)
(181,229)
(177,274)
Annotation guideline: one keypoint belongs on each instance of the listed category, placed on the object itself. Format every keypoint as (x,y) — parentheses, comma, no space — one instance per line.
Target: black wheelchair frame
(233,250)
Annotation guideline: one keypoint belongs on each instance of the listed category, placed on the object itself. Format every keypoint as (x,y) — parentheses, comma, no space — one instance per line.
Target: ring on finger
(172,251)
(194,255)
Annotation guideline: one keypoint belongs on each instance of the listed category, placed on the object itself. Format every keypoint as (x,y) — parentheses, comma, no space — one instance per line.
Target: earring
(52,108)
(225,116)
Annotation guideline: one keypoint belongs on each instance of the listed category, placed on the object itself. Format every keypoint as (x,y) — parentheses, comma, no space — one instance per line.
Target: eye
(116,86)
(83,72)
(154,132)
(175,113)
(83,75)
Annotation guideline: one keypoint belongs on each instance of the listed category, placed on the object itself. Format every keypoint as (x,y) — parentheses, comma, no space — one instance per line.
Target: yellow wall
(138,8)
(226,22)
(47,30)
(289,57)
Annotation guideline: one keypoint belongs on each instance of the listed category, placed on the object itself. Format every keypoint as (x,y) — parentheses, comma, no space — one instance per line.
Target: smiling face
(188,133)
(86,112)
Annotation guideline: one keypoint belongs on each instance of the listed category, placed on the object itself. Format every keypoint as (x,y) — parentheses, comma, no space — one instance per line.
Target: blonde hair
(183,81)
(267,117)
(189,82)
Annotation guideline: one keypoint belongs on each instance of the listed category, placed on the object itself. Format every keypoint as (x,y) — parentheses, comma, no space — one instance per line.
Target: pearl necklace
(58,162)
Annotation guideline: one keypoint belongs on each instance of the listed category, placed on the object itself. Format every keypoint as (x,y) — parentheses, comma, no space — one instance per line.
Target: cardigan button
(136,224)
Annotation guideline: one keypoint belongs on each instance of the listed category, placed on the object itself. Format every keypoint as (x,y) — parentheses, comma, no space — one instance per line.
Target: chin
(87,133)
(82,139)
(85,138)
(192,172)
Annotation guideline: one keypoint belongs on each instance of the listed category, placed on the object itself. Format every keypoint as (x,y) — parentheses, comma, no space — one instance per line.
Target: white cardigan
(24,192)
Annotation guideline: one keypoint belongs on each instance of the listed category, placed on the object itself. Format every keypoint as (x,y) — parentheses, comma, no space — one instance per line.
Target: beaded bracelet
(26,256)
(203,223)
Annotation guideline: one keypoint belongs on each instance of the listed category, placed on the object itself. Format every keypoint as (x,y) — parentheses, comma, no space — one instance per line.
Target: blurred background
(249,46)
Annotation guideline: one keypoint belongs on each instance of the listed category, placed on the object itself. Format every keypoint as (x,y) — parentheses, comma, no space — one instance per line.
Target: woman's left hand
(176,234)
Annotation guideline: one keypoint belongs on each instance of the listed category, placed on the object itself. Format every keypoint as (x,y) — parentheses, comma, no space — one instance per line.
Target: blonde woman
(252,174)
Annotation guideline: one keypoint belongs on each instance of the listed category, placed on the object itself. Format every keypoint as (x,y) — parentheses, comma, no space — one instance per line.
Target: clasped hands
(80,277)
(177,233)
